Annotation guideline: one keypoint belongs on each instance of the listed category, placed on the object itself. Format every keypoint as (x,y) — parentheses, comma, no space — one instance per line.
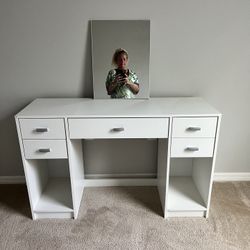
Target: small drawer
(42,128)
(192,147)
(45,149)
(118,128)
(194,127)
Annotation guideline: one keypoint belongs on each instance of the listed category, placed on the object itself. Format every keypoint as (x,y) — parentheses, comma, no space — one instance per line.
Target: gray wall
(198,48)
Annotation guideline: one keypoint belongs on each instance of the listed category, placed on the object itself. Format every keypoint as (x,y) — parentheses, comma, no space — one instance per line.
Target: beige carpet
(128,218)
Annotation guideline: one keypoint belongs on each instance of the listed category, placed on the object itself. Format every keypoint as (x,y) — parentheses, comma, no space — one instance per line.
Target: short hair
(117,53)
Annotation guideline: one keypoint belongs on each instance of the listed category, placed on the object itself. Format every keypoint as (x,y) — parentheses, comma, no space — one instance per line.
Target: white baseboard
(130,179)
(120,182)
(227,176)
(100,180)
(127,176)
(111,180)
(12,179)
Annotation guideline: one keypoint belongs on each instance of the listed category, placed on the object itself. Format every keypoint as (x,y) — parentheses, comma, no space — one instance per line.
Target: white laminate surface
(87,107)
(70,119)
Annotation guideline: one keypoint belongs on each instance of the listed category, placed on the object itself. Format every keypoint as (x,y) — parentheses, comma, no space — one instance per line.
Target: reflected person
(121,82)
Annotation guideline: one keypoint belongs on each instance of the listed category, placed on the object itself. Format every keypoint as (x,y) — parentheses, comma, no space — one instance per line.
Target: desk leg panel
(162,172)
(76,167)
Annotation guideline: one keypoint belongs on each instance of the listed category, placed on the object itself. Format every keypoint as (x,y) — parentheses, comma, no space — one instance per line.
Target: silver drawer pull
(193,128)
(41,130)
(44,150)
(117,129)
(192,149)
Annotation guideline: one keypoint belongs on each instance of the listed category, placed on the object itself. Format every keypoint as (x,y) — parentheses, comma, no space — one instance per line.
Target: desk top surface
(87,107)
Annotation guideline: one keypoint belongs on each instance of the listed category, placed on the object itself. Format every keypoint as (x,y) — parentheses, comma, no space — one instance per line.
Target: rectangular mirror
(120,58)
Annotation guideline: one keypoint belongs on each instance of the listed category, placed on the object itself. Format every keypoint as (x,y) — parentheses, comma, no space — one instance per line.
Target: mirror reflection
(120,58)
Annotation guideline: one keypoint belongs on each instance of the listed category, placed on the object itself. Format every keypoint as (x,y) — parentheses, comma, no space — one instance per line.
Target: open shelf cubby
(50,188)
(189,183)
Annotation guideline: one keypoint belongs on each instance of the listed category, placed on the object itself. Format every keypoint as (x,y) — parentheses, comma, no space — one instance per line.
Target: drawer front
(192,147)
(45,149)
(194,127)
(118,128)
(42,128)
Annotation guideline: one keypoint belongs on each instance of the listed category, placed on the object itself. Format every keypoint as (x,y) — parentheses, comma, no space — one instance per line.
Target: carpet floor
(127,218)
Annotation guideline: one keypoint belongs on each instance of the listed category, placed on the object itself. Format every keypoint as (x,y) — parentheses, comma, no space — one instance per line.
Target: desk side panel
(213,163)
(163,168)
(76,168)
(162,172)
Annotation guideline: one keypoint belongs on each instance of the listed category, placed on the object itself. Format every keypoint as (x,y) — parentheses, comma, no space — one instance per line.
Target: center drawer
(118,128)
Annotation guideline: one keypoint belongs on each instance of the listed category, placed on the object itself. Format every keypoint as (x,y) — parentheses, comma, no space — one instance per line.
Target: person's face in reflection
(122,61)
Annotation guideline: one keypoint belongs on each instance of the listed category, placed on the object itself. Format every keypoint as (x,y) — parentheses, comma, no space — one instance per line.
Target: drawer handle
(193,128)
(44,150)
(192,149)
(117,129)
(41,130)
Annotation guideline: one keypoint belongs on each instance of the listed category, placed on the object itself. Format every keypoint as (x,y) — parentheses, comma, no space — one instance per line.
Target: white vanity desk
(187,129)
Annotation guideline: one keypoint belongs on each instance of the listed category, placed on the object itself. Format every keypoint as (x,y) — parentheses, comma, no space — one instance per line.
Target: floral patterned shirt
(121,91)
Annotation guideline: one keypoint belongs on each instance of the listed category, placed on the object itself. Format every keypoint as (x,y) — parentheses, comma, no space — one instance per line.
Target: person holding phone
(121,82)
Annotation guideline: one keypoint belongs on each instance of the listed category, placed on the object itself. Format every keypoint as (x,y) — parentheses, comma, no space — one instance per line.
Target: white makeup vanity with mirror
(187,130)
